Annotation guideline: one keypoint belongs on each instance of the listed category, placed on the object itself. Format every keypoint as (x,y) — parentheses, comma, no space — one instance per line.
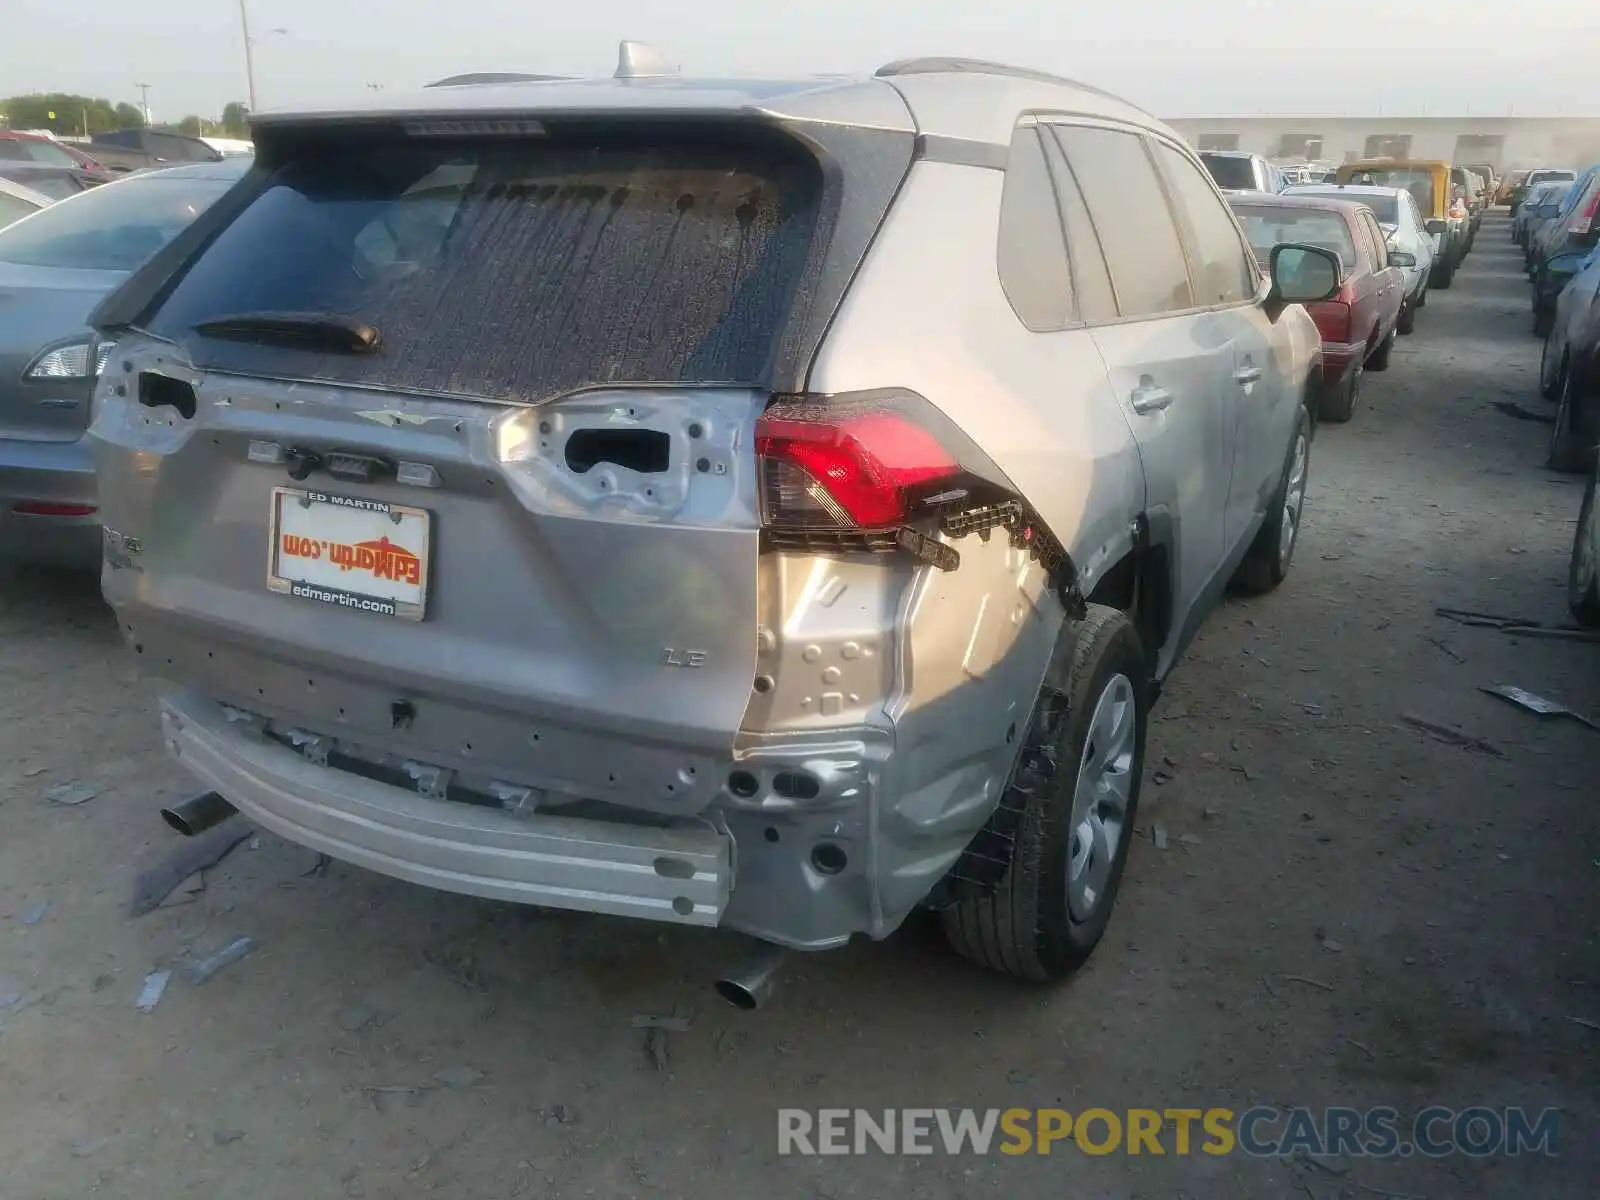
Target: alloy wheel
(1100,798)
(1294,498)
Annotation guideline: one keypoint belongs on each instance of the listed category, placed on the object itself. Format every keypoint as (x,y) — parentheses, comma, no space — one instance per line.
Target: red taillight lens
(1583,219)
(1333,317)
(1458,210)
(44,508)
(832,467)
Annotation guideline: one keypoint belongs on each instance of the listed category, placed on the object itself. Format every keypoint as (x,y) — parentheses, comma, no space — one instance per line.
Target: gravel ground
(1360,914)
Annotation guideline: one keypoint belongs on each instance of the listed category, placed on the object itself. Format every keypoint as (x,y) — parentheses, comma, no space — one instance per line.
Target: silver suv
(759,505)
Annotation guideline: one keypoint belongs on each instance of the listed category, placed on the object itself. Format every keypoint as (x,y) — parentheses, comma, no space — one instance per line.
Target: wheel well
(1140,584)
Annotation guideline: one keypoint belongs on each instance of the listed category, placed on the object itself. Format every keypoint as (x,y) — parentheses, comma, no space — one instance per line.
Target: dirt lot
(1369,915)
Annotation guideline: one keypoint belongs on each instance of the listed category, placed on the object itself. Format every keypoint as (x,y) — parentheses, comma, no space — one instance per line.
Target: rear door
(1222,271)
(1170,361)
(1389,281)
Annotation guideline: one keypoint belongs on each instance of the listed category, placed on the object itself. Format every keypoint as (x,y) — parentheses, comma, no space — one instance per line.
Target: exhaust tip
(736,994)
(197,814)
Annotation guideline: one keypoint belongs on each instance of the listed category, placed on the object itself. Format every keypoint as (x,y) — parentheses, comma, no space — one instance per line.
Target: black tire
(1266,564)
(1571,451)
(1407,324)
(1552,389)
(1380,357)
(1583,576)
(1026,927)
(1442,275)
(1337,404)
(1422,300)
(1544,321)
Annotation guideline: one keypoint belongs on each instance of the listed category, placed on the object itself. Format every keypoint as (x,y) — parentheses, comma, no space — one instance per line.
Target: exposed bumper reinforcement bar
(682,876)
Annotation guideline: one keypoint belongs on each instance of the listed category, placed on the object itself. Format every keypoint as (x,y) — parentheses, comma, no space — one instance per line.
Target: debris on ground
(9,1000)
(1538,705)
(561,1114)
(150,994)
(226,1137)
(183,862)
(1452,735)
(1517,412)
(1332,946)
(1447,650)
(1158,835)
(202,969)
(33,914)
(655,1048)
(1586,1023)
(1517,626)
(673,1024)
(459,1076)
(356,1018)
(1309,982)
(1188,839)
(72,793)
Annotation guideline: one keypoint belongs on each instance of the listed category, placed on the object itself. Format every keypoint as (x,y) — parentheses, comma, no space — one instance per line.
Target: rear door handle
(1247,375)
(1149,397)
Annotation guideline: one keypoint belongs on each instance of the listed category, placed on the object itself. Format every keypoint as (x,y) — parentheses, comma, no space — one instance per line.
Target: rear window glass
(1230,172)
(114,227)
(515,270)
(1385,208)
(1551,176)
(1418,183)
(1267,227)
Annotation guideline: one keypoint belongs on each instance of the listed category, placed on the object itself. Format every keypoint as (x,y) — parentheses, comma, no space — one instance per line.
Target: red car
(1358,325)
(47,152)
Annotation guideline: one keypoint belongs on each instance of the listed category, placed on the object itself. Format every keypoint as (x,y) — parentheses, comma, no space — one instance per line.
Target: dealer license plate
(363,555)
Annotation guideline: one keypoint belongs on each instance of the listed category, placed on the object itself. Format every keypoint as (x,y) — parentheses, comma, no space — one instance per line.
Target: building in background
(1507,142)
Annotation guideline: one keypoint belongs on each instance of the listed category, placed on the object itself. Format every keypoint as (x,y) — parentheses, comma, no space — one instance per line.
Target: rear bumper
(1338,357)
(682,876)
(53,473)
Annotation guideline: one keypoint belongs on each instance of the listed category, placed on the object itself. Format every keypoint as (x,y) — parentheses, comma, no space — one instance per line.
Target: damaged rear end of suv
(479,476)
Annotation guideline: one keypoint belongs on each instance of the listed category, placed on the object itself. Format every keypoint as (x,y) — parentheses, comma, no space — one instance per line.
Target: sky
(1178,58)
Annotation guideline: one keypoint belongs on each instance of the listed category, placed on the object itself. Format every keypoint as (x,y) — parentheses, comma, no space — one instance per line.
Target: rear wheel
(1544,321)
(1549,374)
(1408,320)
(1076,784)
(1422,300)
(1572,451)
(1338,401)
(1583,578)
(1266,564)
(1380,357)
(1442,275)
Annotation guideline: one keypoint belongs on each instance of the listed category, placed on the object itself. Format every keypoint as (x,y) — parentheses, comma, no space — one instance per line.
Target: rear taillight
(826,469)
(887,472)
(47,508)
(1458,210)
(1583,219)
(1333,316)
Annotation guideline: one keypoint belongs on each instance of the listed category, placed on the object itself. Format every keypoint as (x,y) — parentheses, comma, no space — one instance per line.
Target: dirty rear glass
(1385,208)
(1418,183)
(515,270)
(1230,172)
(1267,227)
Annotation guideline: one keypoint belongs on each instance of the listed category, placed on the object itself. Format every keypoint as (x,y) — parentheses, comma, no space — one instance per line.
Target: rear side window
(1130,212)
(12,150)
(1033,250)
(514,270)
(1097,302)
(1223,271)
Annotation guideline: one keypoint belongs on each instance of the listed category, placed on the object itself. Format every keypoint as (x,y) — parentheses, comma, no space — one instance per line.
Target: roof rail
(979,66)
(473,77)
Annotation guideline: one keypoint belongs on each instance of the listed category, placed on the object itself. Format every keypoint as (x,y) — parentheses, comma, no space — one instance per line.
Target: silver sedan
(55,266)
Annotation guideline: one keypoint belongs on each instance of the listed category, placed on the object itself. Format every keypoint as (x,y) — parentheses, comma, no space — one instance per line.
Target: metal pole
(144,100)
(249,61)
